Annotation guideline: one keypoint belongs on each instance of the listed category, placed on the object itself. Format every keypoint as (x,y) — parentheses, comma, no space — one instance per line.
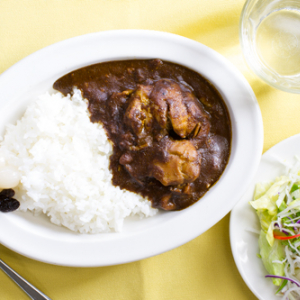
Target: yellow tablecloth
(203,268)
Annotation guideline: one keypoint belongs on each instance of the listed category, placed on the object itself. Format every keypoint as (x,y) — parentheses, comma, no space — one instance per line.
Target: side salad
(277,205)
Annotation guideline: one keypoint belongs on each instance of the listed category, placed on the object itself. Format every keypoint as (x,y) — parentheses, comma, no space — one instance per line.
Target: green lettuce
(265,202)
(268,195)
(271,253)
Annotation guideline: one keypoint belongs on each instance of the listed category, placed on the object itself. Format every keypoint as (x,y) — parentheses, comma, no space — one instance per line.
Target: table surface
(203,268)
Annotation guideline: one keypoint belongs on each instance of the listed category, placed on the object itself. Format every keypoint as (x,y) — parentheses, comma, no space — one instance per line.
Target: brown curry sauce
(169,126)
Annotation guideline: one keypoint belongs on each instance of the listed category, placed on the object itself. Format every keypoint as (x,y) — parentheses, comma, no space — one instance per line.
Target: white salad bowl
(35,237)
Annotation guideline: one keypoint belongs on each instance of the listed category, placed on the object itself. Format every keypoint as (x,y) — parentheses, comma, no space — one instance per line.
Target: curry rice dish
(125,132)
(169,127)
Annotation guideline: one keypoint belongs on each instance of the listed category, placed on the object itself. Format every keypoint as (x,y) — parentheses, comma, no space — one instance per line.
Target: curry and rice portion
(120,138)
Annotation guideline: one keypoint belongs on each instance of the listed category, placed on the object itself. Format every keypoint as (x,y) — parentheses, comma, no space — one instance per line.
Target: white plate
(39,239)
(244,244)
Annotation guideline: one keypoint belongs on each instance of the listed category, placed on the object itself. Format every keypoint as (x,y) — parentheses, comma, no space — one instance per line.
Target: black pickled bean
(9,204)
(7,193)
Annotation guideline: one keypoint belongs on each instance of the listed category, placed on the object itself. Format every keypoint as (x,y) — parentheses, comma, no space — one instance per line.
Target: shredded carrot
(280,237)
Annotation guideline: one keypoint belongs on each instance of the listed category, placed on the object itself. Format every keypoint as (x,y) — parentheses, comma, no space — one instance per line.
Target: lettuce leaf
(271,253)
(269,194)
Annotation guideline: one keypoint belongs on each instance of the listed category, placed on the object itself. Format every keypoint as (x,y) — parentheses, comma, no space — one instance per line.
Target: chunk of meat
(174,108)
(180,163)
(138,116)
(165,103)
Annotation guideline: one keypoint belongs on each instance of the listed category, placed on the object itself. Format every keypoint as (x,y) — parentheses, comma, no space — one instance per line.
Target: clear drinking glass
(270,39)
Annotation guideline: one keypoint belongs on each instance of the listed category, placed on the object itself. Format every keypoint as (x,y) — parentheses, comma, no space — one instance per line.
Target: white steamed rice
(63,160)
